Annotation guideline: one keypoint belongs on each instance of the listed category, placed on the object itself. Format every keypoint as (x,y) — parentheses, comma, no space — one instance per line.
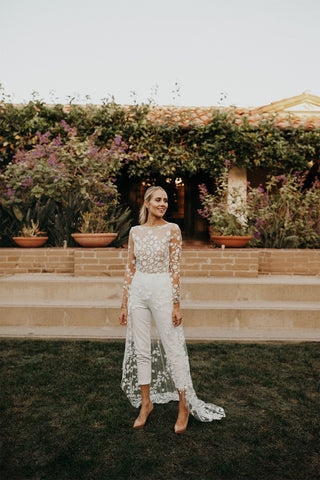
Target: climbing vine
(165,148)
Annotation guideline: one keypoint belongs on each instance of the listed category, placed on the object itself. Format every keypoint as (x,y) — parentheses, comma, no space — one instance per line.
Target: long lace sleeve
(174,266)
(130,270)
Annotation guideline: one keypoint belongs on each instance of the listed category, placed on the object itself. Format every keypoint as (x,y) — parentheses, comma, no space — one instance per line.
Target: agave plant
(32,230)
(17,219)
(65,219)
(274,236)
(121,222)
(107,218)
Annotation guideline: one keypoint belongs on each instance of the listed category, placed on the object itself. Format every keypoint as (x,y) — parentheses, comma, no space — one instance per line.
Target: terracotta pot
(94,239)
(231,241)
(30,242)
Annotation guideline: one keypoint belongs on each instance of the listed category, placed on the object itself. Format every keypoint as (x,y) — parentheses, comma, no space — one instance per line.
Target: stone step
(235,315)
(47,287)
(191,334)
(269,307)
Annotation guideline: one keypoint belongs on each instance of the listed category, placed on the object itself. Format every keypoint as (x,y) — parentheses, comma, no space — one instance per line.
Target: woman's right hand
(123,316)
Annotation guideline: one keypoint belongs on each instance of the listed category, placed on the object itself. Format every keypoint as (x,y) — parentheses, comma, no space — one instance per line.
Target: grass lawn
(63,415)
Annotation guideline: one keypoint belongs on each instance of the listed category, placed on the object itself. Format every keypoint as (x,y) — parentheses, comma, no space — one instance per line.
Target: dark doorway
(183,198)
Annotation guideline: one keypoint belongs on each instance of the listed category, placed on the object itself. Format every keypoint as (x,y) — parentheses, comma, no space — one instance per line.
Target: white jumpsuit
(157,356)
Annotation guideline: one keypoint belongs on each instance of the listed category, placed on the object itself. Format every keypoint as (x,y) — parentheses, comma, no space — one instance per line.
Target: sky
(171,52)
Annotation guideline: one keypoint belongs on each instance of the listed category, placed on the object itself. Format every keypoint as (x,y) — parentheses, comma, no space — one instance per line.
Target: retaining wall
(206,262)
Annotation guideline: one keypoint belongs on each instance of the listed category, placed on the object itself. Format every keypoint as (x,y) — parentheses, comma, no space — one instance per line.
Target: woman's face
(158,204)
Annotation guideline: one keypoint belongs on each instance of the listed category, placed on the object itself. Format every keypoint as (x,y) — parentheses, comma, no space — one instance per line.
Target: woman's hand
(176,316)
(123,316)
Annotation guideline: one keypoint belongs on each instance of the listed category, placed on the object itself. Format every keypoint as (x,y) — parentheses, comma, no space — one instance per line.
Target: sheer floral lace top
(154,250)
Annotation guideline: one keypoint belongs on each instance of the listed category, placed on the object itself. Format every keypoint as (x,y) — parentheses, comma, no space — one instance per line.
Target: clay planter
(231,241)
(30,242)
(94,240)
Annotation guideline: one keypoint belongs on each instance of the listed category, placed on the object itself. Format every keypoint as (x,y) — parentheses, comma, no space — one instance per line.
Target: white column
(237,190)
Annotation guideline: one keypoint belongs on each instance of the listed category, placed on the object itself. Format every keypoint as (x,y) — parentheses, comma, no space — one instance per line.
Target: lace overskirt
(164,377)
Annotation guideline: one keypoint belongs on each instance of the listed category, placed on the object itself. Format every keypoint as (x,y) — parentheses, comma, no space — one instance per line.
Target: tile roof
(301,110)
(308,116)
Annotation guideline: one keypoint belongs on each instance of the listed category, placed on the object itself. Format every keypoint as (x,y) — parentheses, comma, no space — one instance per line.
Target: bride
(156,364)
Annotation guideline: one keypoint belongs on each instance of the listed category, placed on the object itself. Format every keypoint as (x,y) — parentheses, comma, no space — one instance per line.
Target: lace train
(162,387)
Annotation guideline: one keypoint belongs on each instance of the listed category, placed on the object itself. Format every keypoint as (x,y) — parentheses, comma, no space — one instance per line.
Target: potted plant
(226,212)
(31,236)
(68,172)
(103,225)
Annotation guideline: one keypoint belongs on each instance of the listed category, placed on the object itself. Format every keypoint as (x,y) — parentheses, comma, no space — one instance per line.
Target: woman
(157,370)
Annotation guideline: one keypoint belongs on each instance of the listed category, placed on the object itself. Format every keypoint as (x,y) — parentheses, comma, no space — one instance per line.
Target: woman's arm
(175,257)
(128,276)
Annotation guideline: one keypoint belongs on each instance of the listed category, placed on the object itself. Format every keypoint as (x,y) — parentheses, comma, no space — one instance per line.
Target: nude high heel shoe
(138,424)
(181,428)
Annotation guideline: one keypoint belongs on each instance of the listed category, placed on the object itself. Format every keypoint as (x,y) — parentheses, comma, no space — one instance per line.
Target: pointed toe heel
(181,428)
(138,424)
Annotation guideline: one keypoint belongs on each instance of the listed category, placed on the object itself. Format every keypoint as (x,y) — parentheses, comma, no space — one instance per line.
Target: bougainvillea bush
(63,177)
(166,146)
(283,214)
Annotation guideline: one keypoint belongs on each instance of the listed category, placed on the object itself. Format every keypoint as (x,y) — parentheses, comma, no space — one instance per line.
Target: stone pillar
(237,190)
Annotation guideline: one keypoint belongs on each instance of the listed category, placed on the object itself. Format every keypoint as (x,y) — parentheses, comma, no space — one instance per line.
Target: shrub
(56,170)
(226,210)
(283,214)
(280,215)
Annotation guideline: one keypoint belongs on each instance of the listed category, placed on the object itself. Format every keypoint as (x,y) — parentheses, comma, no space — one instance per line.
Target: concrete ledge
(191,334)
(25,288)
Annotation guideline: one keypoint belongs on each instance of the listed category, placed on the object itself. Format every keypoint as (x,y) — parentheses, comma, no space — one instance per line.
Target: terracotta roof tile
(283,118)
(188,116)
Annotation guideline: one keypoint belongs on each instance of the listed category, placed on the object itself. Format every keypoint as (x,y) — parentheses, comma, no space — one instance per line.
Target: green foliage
(274,235)
(10,221)
(106,218)
(281,215)
(31,230)
(53,167)
(72,160)
(165,147)
(64,220)
(120,221)
(70,175)
(14,218)
(226,210)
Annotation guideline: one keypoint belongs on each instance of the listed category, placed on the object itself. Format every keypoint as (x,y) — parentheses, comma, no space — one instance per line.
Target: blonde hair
(143,216)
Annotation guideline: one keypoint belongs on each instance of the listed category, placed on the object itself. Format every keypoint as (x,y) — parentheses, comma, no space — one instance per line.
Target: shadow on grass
(63,415)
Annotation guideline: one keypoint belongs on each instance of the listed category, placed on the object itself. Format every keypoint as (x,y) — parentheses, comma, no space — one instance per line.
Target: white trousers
(151,297)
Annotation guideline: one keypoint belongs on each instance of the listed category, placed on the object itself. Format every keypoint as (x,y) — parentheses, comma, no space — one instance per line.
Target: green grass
(64,416)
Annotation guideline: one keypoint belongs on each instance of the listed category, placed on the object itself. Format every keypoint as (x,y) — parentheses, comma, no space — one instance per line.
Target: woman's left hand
(176,316)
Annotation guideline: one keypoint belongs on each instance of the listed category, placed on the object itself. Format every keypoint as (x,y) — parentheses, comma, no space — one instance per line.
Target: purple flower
(10,191)
(70,131)
(27,182)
